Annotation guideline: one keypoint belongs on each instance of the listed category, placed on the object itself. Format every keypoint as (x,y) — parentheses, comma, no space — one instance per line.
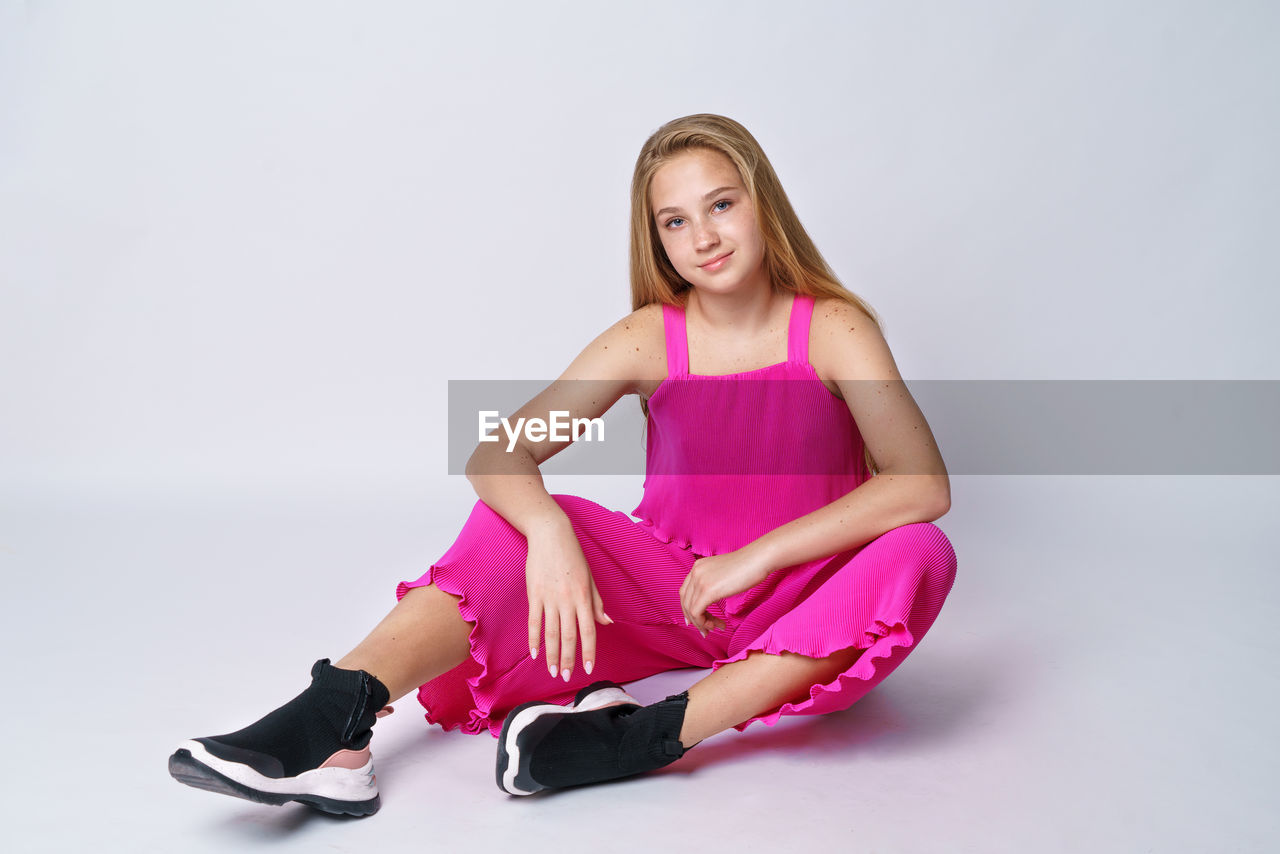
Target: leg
(635,574)
(606,734)
(755,685)
(864,617)
(422,637)
(315,748)
(884,598)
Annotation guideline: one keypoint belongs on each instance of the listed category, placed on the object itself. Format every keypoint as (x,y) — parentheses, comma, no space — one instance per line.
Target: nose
(704,236)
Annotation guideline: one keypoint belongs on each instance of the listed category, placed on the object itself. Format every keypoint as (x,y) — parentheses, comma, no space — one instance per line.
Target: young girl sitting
(785,537)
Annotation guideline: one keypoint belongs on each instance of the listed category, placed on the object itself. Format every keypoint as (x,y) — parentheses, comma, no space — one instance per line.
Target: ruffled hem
(479,719)
(700,549)
(861,677)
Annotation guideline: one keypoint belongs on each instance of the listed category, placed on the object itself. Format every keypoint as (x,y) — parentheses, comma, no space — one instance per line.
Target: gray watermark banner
(996,427)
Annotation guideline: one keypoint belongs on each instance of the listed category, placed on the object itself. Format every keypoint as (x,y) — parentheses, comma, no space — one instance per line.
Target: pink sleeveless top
(731,457)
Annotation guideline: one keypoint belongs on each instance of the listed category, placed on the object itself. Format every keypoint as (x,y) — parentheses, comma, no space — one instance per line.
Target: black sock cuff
(668,719)
(325,676)
(364,695)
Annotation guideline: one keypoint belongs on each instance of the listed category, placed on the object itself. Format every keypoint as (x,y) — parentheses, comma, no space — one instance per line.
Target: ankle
(349,700)
(669,717)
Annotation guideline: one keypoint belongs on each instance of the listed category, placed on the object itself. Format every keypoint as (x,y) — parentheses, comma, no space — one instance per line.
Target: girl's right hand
(564,598)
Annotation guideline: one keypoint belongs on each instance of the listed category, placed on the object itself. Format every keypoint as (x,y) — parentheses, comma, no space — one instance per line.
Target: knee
(926,541)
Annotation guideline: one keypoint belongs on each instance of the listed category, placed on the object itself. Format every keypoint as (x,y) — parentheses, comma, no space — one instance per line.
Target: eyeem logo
(537,430)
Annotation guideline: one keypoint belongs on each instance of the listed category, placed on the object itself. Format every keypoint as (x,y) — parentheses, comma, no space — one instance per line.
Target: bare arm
(912,485)
(562,594)
(511,482)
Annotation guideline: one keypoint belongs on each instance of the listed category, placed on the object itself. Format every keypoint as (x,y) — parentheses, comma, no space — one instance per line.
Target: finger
(698,610)
(553,641)
(568,643)
(535,629)
(597,607)
(587,627)
(687,603)
(713,621)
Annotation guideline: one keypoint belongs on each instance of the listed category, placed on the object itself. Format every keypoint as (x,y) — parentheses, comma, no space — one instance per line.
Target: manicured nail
(551,668)
(587,666)
(533,653)
(565,674)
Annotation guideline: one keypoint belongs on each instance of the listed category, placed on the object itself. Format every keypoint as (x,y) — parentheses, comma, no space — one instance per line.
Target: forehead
(690,174)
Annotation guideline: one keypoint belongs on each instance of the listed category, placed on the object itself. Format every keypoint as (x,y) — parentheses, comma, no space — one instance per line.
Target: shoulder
(639,332)
(644,325)
(846,343)
(829,313)
(633,348)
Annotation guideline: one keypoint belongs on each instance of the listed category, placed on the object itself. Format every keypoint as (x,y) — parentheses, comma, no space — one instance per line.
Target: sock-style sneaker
(313,749)
(527,723)
(545,746)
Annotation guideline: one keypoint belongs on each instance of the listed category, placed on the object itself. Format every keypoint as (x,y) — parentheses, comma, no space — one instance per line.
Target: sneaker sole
(325,789)
(528,722)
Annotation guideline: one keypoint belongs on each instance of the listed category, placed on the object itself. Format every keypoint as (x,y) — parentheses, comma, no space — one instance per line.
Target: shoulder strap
(677,336)
(798,331)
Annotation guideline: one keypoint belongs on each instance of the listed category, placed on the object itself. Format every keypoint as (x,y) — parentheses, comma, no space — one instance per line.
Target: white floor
(1102,678)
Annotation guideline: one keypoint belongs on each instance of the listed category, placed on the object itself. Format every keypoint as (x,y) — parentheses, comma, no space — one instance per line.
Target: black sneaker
(313,750)
(545,746)
(527,723)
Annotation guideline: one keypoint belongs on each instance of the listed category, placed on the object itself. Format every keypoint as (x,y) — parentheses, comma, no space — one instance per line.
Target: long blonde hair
(791,259)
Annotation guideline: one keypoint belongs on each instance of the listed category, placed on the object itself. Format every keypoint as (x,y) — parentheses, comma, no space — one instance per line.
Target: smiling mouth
(716,260)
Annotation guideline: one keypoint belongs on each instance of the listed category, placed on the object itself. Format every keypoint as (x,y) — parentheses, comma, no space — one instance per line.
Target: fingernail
(551,668)
(565,674)
(533,653)
(588,665)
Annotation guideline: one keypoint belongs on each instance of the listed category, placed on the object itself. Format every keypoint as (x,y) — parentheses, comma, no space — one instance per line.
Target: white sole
(355,786)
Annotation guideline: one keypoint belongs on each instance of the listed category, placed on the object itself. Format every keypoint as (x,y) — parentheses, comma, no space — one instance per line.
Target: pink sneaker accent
(353,759)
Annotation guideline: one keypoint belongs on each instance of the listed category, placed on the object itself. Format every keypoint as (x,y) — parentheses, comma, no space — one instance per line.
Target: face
(707,223)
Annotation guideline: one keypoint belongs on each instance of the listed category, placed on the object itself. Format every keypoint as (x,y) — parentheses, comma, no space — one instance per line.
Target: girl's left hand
(714,578)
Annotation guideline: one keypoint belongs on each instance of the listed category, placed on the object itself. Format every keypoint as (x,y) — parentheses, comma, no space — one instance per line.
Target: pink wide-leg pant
(881,597)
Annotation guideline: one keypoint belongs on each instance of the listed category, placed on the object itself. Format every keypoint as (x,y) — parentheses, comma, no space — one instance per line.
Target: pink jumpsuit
(728,459)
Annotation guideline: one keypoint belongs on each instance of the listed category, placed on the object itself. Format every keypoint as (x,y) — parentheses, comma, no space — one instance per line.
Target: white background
(244,246)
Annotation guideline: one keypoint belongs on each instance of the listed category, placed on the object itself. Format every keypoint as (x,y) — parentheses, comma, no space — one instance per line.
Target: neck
(747,311)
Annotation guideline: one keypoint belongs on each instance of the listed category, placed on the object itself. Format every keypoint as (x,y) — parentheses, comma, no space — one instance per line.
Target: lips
(714,263)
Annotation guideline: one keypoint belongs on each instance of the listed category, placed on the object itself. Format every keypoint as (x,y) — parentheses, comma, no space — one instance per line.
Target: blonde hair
(791,259)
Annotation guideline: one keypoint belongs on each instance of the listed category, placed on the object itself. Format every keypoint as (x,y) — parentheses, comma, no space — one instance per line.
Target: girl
(785,539)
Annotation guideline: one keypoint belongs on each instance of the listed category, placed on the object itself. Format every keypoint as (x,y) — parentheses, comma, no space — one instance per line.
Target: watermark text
(538,430)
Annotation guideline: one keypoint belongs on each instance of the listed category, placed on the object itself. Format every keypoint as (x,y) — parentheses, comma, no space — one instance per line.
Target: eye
(675,220)
(717,205)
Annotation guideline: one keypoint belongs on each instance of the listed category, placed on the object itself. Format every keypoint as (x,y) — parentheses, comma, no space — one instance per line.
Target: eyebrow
(717,191)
